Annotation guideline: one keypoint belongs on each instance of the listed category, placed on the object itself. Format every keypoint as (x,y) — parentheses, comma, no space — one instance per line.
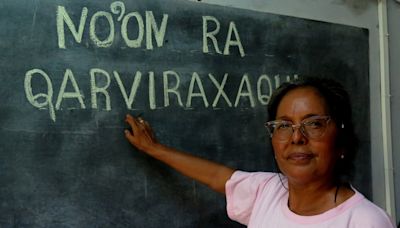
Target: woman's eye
(282,126)
(313,124)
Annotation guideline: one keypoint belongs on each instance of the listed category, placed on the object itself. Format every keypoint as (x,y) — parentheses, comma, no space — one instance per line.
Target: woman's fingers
(140,120)
(141,135)
(134,124)
(129,133)
(148,130)
(131,121)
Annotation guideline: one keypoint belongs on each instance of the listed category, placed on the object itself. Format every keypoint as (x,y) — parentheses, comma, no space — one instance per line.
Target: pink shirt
(259,200)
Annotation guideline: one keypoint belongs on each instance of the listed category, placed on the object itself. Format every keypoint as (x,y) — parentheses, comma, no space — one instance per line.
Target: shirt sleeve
(242,190)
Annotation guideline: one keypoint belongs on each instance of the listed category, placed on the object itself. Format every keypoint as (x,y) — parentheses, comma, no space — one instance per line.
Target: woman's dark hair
(339,108)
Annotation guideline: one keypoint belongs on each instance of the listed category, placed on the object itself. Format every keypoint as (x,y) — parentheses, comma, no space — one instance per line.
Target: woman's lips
(300,157)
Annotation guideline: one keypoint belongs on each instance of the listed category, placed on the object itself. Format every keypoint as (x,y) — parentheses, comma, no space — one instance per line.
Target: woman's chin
(300,174)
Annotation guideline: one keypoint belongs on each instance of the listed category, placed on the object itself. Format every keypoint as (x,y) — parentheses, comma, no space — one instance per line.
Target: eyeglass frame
(300,126)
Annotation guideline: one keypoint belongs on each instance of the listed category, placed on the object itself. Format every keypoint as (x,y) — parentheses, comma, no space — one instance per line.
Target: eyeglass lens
(313,128)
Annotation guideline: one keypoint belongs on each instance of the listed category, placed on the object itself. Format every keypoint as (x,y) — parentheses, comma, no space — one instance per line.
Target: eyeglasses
(313,128)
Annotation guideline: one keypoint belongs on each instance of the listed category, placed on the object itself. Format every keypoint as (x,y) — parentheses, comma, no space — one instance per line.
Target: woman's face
(302,159)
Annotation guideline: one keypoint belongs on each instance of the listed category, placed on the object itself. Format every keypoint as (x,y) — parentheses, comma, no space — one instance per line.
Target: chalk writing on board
(252,90)
(150,25)
(211,35)
(264,86)
(147,26)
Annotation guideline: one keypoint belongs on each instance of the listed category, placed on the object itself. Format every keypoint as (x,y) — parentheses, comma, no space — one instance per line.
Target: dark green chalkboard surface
(200,74)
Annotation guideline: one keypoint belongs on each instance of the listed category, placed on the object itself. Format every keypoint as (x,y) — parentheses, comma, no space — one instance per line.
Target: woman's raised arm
(210,173)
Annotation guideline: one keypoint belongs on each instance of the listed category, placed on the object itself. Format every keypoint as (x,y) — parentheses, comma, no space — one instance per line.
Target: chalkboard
(200,74)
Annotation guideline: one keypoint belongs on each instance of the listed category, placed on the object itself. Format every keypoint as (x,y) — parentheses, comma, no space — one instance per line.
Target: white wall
(359,13)
(394,54)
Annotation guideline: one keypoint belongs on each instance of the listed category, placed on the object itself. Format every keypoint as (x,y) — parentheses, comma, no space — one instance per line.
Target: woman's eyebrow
(311,115)
(287,118)
(283,118)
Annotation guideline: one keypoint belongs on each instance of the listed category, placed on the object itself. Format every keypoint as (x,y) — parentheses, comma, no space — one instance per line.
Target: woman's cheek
(278,148)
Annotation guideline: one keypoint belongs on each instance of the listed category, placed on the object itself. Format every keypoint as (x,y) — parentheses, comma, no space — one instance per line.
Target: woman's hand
(141,136)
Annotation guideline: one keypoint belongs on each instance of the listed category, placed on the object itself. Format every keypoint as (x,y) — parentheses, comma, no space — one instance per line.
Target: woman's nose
(298,136)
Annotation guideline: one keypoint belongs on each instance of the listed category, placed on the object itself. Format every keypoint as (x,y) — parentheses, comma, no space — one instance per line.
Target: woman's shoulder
(260,174)
(246,191)
(257,182)
(256,178)
(364,213)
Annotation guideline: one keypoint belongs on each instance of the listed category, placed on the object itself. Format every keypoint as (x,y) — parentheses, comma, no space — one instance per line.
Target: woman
(314,144)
